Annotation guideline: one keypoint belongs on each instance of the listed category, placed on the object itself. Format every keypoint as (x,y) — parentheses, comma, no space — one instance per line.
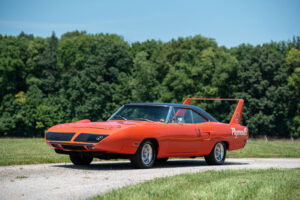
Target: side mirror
(179,120)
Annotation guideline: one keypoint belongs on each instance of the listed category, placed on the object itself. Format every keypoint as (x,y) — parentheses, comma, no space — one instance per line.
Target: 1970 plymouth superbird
(149,132)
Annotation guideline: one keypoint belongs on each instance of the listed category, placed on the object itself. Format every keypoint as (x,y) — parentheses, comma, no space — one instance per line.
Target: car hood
(107,125)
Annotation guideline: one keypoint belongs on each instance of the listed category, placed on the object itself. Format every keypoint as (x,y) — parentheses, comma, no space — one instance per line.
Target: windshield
(142,113)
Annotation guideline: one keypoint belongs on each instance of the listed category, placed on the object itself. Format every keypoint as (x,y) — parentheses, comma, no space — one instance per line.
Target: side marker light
(135,144)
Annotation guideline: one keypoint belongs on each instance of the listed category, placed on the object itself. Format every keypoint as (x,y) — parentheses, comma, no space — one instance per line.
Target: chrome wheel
(219,152)
(147,154)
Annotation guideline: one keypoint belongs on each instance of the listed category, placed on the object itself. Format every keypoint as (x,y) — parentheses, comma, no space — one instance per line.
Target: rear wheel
(80,159)
(217,155)
(145,155)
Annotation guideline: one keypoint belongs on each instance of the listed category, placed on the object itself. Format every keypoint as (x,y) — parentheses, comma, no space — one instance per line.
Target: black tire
(161,160)
(143,162)
(216,157)
(80,159)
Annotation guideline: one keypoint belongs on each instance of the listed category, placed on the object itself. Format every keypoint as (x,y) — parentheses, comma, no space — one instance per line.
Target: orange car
(149,132)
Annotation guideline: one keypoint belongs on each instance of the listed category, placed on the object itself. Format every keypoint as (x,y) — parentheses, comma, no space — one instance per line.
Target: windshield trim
(115,113)
(135,105)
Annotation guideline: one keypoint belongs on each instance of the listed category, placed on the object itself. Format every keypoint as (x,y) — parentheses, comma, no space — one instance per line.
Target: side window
(198,118)
(181,115)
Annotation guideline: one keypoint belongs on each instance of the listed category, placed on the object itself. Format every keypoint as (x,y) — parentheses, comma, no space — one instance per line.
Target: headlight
(92,138)
(55,136)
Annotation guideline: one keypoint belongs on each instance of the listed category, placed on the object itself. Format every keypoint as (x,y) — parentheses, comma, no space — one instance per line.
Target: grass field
(16,151)
(27,151)
(268,149)
(229,184)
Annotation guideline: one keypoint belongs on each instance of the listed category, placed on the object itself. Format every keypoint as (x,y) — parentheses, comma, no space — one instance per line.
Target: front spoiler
(100,155)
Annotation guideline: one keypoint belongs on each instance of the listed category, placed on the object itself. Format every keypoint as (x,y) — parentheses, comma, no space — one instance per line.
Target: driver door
(183,137)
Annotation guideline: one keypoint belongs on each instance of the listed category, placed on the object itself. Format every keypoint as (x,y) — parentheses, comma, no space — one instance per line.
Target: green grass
(27,151)
(228,184)
(14,151)
(268,149)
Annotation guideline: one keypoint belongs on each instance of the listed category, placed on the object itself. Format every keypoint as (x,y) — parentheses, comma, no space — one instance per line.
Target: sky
(229,22)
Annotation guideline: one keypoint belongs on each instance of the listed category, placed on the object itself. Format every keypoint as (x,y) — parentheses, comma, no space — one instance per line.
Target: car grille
(53,136)
(73,147)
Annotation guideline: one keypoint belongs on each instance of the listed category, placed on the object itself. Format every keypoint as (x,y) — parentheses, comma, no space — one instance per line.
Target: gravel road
(66,181)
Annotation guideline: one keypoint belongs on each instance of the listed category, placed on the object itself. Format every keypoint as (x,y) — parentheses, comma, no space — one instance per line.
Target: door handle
(198,132)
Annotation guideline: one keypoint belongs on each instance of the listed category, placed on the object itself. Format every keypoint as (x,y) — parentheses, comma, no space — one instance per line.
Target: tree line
(47,81)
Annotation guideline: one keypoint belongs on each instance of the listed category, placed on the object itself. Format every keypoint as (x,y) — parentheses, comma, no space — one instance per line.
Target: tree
(293,61)
(144,83)
(47,65)
(262,78)
(87,83)
(46,81)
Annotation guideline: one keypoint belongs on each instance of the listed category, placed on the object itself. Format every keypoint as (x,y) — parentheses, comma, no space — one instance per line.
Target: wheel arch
(226,143)
(155,142)
(214,144)
(138,160)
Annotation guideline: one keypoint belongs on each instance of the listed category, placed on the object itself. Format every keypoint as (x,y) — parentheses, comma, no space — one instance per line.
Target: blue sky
(229,22)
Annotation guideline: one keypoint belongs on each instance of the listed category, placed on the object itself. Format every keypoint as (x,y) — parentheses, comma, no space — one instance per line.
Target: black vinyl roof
(196,108)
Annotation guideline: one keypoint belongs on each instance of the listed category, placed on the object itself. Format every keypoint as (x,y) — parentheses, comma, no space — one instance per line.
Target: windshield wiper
(144,119)
(124,118)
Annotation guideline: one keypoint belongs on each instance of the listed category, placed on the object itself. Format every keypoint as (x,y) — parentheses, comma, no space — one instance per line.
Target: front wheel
(217,155)
(145,155)
(80,159)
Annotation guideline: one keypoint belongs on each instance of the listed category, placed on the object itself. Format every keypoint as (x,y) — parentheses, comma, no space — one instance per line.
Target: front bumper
(72,146)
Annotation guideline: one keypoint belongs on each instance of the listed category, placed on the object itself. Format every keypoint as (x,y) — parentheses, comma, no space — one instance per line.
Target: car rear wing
(237,115)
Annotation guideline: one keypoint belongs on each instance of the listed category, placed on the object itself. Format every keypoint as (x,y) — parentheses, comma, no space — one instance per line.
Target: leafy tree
(262,80)
(47,63)
(144,83)
(46,81)
(12,64)
(293,61)
(88,87)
